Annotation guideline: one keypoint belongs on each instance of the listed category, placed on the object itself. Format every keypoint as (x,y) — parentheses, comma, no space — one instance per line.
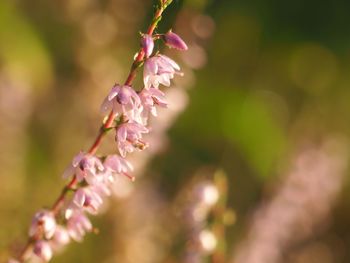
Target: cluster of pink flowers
(94,176)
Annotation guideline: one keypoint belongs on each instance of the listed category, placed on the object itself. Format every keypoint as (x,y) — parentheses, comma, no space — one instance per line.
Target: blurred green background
(262,78)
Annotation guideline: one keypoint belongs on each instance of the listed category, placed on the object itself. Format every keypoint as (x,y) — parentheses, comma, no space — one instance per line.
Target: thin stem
(101,133)
(58,204)
(60,200)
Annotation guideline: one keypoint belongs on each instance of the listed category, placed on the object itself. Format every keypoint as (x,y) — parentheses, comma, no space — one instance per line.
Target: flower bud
(174,41)
(147,44)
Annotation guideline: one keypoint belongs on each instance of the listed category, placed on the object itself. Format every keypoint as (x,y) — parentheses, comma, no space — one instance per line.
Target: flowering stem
(129,80)
(141,53)
(58,204)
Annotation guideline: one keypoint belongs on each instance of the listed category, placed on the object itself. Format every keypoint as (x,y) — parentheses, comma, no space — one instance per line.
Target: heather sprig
(206,219)
(91,176)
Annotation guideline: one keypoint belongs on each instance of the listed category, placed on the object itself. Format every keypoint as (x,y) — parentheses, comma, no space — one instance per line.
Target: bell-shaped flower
(150,98)
(159,70)
(77,224)
(43,224)
(87,199)
(60,238)
(85,167)
(122,99)
(129,137)
(118,165)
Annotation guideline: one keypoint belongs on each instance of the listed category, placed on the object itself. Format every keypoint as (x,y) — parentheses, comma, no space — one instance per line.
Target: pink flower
(147,44)
(85,167)
(122,100)
(77,224)
(60,238)
(43,250)
(159,70)
(43,223)
(149,99)
(117,164)
(129,137)
(101,185)
(88,199)
(174,41)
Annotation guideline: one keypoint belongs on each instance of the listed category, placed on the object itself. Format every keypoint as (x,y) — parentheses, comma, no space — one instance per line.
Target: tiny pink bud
(147,44)
(174,41)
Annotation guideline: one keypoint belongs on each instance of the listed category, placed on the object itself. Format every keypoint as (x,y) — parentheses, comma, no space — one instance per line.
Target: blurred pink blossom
(302,202)
(77,224)
(43,223)
(43,250)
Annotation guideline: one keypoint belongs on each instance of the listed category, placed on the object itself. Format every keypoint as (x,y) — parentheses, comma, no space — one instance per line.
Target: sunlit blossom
(159,69)
(129,137)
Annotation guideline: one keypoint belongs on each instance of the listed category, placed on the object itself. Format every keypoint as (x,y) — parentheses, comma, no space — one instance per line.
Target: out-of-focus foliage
(23,53)
(264,78)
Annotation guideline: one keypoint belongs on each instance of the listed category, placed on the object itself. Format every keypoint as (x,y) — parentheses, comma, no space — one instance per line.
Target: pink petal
(170,62)
(122,133)
(114,92)
(106,105)
(79,197)
(77,159)
(68,172)
(151,66)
